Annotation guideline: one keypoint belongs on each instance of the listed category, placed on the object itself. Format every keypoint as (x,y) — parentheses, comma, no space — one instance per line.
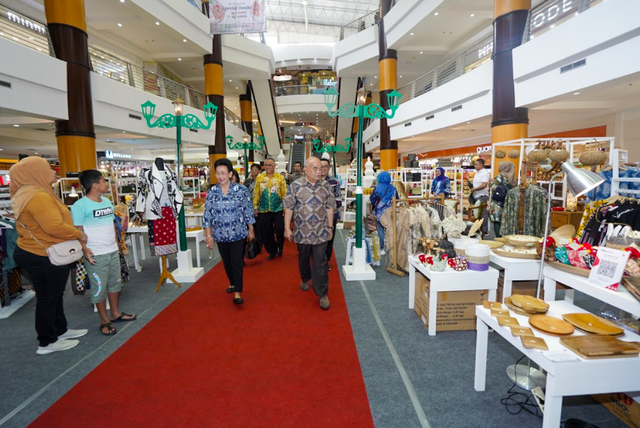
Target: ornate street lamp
(360,110)
(178,120)
(245,145)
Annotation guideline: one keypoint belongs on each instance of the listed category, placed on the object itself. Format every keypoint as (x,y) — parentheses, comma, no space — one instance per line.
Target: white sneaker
(383,252)
(72,334)
(60,345)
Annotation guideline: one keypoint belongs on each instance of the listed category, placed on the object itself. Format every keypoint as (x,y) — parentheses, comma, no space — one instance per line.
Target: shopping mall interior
(544,95)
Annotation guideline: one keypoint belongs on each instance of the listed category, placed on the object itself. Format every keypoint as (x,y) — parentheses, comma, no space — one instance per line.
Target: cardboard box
(456,310)
(621,405)
(527,288)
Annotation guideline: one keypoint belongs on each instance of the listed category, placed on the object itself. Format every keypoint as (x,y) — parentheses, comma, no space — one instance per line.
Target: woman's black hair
(223,161)
(236,175)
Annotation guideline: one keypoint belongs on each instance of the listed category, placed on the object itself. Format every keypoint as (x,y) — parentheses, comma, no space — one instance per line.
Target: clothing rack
(616,179)
(11,305)
(394,206)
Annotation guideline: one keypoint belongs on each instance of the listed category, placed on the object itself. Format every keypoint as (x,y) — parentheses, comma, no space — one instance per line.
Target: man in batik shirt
(310,203)
(268,193)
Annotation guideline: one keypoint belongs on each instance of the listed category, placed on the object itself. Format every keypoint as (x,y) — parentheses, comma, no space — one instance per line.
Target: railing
(282,91)
(360,24)
(33,34)
(198,4)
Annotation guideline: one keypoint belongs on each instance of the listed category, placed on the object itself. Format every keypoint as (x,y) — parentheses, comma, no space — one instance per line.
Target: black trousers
(232,254)
(330,244)
(312,263)
(49,282)
(272,229)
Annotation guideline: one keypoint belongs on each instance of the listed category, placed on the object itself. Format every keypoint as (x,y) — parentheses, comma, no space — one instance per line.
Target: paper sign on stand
(608,267)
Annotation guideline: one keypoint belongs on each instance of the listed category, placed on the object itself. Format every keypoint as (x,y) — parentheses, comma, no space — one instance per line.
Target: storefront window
(23,30)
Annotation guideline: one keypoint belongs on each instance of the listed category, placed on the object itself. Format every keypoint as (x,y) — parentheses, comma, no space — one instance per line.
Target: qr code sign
(607,268)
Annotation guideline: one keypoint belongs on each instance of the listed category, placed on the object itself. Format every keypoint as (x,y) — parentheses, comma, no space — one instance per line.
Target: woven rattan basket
(500,154)
(514,154)
(559,156)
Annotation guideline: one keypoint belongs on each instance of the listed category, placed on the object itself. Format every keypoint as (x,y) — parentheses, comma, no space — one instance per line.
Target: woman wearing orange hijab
(43,220)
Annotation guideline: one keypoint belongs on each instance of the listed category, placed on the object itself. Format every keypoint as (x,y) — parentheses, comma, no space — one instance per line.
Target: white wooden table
(140,231)
(515,270)
(198,235)
(621,299)
(566,378)
(450,280)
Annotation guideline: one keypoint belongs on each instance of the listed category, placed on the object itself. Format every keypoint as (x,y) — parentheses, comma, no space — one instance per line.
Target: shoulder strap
(31,234)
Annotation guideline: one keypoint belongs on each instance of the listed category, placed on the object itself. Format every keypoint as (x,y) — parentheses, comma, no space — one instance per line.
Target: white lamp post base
(186,273)
(360,269)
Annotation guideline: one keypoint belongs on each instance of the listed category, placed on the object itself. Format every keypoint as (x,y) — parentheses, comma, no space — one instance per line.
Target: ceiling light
(157,23)
(230,80)
(370,84)
(179,59)
(375,77)
(420,52)
(184,40)
(412,34)
(472,15)
(576,93)
(16,125)
(37,153)
(435,14)
(236,87)
(121,1)
(401,77)
(468,122)
(119,24)
(553,26)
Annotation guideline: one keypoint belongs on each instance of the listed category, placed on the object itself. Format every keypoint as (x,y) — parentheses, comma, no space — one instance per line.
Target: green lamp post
(178,121)
(360,110)
(245,145)
(329,146)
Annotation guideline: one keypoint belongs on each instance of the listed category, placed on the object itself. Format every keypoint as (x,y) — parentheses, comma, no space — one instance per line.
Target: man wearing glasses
(334,183)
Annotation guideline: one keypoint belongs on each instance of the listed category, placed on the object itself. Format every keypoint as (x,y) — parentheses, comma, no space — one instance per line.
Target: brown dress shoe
(324,302)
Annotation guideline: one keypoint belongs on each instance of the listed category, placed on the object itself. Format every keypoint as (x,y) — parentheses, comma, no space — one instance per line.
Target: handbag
(370,220)
(61,254)
(253,249)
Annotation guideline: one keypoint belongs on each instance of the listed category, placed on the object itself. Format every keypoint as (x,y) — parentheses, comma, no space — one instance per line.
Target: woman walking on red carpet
(228,221)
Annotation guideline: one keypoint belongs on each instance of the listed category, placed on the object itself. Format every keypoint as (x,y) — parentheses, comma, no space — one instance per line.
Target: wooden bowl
(551,325)
(522,240)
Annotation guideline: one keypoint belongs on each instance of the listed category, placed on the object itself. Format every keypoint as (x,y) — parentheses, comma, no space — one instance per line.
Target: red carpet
(277,361)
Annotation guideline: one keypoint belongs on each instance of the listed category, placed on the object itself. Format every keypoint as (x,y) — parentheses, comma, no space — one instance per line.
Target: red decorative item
(430,260)
(634,252)
(452,263)
(550,241)
(422,258)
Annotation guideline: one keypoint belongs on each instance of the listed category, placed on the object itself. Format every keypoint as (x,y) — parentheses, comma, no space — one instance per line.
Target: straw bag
(514,154)
(500,154)
(537,156)
(559,156)
(593,156)
(61,254)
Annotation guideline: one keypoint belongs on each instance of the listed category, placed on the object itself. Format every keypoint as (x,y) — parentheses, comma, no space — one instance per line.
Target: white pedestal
(186,273)
(17,303)
(360,270)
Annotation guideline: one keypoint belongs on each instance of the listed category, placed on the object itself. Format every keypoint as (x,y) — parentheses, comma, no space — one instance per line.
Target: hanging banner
(237,16)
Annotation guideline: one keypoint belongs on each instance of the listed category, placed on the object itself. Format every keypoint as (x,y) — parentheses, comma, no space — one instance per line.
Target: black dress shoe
(271,257)
(230,289)
(238,300)
(280,252)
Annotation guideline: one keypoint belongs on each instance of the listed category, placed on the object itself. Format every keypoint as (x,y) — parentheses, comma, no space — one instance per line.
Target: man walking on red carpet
(310,202)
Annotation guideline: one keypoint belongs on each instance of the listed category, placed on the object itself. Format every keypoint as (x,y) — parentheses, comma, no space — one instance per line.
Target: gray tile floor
(412,379)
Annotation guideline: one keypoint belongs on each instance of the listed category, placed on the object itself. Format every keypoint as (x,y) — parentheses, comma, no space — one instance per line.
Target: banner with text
(237,16)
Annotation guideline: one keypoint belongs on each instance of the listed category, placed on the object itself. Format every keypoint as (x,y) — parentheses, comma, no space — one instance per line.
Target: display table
(515,270)
(576,377)
(198,235)
(621,299)
(450,280)
(139,231)
(194,219)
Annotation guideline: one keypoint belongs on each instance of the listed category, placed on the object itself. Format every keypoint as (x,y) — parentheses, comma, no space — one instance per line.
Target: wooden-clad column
(510,19)
(247,117)
(76,137)
(388,72)
(215,93)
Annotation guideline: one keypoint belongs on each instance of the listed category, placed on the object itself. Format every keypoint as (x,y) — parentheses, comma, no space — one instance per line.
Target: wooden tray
(518,331)
(525,241)
(508,321)
(492,244)
(499,312)
(529,303)
(488,304)
(570,269)
(551,325)
(514,308)
(632,284)
(531,342)
(601,347)
(593,324)
(516,255)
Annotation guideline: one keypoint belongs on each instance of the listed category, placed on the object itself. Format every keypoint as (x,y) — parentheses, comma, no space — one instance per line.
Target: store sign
(113,155)
(283,78)
(485,50)
(329,82)
(552,13)
(483,149)
(26,23)
(237,16)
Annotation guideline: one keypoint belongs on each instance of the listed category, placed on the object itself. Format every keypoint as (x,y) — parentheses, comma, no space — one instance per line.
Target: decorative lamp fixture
(73,193)
(245,145)
(362,96)
(178,106)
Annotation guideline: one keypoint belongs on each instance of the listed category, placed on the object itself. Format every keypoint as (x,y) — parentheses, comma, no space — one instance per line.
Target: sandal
(122,318)
(230,289)
(110,329)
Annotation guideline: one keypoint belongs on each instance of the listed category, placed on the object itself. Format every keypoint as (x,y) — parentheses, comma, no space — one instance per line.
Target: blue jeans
(381,234)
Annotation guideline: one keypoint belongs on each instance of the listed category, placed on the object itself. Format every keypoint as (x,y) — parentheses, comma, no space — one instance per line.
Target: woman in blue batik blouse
(228,221)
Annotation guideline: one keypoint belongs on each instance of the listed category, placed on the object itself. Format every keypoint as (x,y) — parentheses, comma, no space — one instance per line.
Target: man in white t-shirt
(94,215)
(480,190)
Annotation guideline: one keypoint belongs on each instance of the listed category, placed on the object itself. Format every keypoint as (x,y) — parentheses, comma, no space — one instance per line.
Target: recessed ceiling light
(236,87)
(35,153)
(16,125)
(121,1)
(401,77)
(375,77)
(576,93)
(157,23)
(435,14)
(119,24)
(230,80)
(370,84)
(468,122)
(421,52)
(412,34)
(184,40)
(179,59)
(124,132)
(472,15)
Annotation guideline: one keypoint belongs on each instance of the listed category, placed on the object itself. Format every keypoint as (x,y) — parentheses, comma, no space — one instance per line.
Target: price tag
(608,267)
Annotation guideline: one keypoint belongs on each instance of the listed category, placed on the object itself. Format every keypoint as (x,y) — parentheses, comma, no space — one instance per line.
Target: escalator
(262,94)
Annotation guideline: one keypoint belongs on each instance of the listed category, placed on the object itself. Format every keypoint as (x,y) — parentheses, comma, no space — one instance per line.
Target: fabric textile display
(152,183)
(372,245)
(604,190)
(162,234)
(600,216)
(535,211)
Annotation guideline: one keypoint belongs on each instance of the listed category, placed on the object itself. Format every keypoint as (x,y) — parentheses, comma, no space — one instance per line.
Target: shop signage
(113,155)
(552,13)
(237,16)
(26,23)
(283,78)
(483,149)
(329,82)
(485,50)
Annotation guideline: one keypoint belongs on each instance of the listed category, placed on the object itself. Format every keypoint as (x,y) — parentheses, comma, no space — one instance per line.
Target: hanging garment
(535,211)
(154,186)
(162,234)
